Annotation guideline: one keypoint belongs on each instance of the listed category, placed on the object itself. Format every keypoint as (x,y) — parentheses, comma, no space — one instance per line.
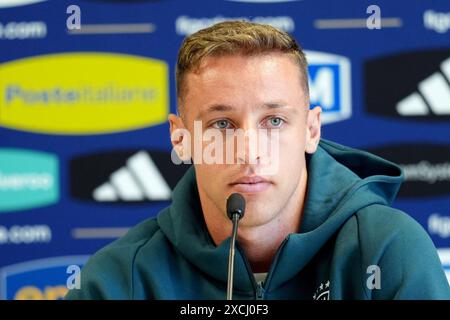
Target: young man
(318,222)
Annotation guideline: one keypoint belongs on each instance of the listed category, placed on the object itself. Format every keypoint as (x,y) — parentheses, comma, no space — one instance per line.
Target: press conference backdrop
(84,143)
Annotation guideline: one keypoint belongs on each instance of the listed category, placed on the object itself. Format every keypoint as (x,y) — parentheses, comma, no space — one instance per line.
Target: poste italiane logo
(28,179)
(83,93)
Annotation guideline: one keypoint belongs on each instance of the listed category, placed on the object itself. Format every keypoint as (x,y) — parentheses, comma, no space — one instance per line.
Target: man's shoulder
(381,221)
(138,234)
(108,274)
(129,244)
(404,253)
(389,235)
(379,229)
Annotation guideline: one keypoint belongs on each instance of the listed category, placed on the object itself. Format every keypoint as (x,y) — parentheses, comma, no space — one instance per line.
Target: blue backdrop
(83,110)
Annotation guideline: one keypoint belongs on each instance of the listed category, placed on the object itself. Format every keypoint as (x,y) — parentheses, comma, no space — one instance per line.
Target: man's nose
(247,142)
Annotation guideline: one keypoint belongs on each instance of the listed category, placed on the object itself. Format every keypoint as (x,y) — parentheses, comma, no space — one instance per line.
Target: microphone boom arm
(235,220)
(235,211)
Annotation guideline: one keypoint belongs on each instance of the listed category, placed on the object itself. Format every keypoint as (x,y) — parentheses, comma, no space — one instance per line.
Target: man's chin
(257,213)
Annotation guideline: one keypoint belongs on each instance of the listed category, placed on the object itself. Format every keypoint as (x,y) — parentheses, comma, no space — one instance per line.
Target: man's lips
(250,184)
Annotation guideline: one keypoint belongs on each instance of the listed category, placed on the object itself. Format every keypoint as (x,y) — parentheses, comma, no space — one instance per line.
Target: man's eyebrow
(215,108)
(274,105)
(224,107)
(279,104)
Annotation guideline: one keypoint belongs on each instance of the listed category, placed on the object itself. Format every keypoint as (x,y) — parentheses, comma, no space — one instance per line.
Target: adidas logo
(124,176)
(421,93)
(137,181)
(433,95)
(444,255)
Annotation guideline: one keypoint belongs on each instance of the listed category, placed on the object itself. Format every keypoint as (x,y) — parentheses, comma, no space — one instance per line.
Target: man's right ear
(179,137)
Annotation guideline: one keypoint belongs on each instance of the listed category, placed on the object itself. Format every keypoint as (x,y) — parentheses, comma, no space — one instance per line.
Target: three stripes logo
(412,85)
(125,176)
(444,255)
(433,95)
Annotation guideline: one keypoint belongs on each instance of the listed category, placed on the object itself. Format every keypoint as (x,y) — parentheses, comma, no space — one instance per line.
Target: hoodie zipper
(261,287)
(260,291)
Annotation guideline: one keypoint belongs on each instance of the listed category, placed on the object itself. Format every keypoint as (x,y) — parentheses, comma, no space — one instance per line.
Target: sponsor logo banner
(186,25)
(396,89)
(16,3)
(27,234)
(426,168)
(437,21)
(444,255)
(44,279)
(28,179)
(439,225)
(23,30)
(83,93)
(125,176)
(330,85)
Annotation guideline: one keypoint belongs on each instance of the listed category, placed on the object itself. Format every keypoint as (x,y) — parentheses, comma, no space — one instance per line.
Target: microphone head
(235,204)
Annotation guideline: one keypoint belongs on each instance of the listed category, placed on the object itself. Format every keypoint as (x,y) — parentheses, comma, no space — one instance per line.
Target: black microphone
(235,211)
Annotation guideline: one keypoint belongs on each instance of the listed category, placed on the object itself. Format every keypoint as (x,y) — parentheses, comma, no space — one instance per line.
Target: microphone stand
(235,212)
(235,220)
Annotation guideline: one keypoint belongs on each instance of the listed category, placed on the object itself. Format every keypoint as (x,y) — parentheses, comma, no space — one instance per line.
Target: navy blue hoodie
(352,245)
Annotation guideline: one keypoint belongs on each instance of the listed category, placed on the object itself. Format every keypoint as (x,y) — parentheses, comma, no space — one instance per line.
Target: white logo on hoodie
(323,291)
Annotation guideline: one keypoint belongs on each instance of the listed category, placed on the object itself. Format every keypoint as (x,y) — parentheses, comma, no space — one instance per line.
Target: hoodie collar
(184,226)
(341,180)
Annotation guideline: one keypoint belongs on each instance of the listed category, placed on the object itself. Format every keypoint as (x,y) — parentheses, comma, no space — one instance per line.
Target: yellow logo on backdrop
(34,293)
(83,93)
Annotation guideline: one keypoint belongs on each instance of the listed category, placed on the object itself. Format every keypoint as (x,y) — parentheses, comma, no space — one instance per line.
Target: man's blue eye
(276,122)
(221,124)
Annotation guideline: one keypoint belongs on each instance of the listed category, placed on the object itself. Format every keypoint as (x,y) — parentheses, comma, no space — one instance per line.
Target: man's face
(251,93)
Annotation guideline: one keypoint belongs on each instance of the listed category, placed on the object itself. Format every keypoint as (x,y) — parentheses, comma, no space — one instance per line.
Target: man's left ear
(313,130)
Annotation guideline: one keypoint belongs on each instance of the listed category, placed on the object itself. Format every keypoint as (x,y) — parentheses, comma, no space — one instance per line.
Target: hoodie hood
(341,181)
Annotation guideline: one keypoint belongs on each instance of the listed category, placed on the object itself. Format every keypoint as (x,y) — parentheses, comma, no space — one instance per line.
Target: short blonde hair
(236,37)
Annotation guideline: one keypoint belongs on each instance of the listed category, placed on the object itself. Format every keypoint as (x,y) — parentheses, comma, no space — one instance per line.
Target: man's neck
(260,243)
